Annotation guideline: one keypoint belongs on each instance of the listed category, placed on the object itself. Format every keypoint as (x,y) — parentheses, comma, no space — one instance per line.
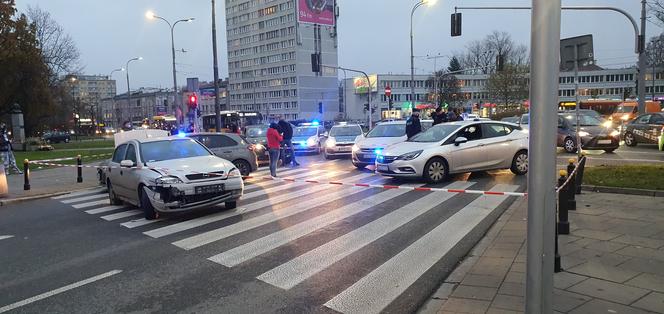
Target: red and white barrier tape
(269,178)
(67,158)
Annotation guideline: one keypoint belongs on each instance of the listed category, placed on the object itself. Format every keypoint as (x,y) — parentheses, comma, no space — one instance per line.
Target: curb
(627,191)
(38,196)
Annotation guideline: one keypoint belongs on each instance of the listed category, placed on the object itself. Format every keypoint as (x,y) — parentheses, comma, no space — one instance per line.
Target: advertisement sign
(362,86)
(316,12)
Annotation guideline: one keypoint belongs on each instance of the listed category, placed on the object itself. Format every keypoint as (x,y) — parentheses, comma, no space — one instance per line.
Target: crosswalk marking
(265,244)
(303,267)
(205,238)
(90,204)
(189,224)
(282,186)
(83,198)
(120,215)
(76,194)
(375,291)
(4,237)
(104,209)
(140,222)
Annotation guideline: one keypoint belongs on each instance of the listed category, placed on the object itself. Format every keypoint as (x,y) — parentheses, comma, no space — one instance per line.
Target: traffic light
(366,107)
(193,102)
(456,24)
(320,107)
(315,62)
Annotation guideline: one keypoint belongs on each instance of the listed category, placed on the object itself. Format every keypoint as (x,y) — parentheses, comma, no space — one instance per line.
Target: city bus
(238,118)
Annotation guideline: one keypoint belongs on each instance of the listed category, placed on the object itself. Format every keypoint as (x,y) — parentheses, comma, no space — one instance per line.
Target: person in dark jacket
(287,131)
(439,116)
(274,140)
(451,115)
(459,116)
(413,125)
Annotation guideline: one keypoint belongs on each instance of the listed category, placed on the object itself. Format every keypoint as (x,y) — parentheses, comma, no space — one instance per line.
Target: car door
(498,144)
(655,128)
(229,148)
(640,127)
(130,177)
(470,155)
(113,171)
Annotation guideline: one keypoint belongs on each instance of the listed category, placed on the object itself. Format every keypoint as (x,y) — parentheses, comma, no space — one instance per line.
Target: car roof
(158,139)
(392,122)
(345,125)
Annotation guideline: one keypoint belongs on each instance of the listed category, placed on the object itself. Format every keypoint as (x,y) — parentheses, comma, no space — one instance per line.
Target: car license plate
(208,189)
(369,156)
(604,142)
(345,148)
(383,168)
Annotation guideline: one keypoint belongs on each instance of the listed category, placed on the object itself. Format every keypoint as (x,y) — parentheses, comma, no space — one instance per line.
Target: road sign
(388,91)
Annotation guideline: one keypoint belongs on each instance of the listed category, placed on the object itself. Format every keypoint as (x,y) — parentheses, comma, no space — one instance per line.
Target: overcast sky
(373,34)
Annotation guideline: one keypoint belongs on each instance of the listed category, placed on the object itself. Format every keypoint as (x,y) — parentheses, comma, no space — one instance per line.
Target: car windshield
(388,130)
(434,134)
(345,131)
(256,132)
(625,109)
(305,131)
(584,120)
(172,149)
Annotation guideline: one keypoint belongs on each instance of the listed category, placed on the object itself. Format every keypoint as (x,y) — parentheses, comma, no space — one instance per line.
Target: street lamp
(127,69)
(412,57)
(150,15)
(116,70)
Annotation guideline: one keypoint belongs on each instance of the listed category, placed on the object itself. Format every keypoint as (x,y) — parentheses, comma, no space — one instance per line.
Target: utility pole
(642,60)
(544,72)
(217,106)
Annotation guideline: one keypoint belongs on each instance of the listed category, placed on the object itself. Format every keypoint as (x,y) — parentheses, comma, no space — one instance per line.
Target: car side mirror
(460,140)
(127,164)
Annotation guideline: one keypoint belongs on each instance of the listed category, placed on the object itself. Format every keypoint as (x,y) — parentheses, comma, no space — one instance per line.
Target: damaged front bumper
(187,196)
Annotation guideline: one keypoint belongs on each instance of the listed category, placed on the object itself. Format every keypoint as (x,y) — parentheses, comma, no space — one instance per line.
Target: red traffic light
(193,101)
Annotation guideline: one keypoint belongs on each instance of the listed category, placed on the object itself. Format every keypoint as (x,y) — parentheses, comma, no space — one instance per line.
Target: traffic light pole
(217,106)
(368,90)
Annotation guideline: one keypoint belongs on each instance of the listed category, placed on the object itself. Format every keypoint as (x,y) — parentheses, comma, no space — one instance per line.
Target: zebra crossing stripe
(125,214)
(282,187)
(76,194)
(139,222)
(293,272)
(83,198)
(211,236)
(104,209)
(90,204)
(270,242)
(383,285)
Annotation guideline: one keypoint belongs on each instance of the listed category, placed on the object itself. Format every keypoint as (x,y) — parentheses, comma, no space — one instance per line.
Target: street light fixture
(127,69)
(420,3)
(151,16)
(116,70)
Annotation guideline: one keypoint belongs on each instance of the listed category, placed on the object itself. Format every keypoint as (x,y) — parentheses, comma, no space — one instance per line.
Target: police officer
(413,125)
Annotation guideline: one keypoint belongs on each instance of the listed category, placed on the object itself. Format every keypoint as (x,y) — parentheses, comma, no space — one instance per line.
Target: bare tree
(656,8)
(655,51)
(58,48)
(478,57)
(510,86)
(484,54)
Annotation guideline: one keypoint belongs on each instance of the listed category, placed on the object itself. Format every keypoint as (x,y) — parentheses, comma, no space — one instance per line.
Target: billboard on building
(362,86)
(316,12)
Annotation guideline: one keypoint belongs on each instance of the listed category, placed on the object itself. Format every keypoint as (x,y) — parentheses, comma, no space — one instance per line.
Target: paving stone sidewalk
(613,261)
(49,181)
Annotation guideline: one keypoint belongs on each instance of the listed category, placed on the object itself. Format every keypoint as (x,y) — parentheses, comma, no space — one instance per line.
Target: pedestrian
(6,153)
(459,116)
(451,115)
(274,145)
(413,125)
(439,116)
(287,131)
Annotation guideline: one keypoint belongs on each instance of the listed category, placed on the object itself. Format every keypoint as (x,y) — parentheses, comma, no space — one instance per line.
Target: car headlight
(259,146)
(355,148)
(615,133)
(584,134)
(331,142)
(625,117)
(607,124)
(234,173)
(312,141)
(167,180)
(410,156)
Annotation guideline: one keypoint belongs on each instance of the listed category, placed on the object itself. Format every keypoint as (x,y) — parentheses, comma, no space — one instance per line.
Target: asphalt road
(287,248)
(641,154)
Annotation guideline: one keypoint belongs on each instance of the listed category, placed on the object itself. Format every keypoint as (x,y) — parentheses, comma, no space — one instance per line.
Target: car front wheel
(435,170)
(629,139)
(520,163)
(243,166)
(569,145)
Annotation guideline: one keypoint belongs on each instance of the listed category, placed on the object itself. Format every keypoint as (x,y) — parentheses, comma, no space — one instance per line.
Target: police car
(646,129)
(307,137)
(340,140)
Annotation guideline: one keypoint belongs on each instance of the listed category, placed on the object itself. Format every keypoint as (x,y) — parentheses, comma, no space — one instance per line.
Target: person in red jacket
(273,144)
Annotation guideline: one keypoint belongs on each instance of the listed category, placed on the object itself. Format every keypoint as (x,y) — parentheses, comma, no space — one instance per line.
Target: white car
(457,147)
(367,147)
(340,140)
(171,175)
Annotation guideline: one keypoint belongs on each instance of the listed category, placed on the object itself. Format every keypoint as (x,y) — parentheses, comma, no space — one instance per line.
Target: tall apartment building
(90,88)
(269,59)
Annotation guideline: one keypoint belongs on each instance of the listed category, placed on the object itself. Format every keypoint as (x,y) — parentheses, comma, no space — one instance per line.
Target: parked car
(594,134)
(56,137)
(232,147)
(457,147)
(257,135)
(307,138)
(171,175)
(646,128)
(514,119)
(340,140)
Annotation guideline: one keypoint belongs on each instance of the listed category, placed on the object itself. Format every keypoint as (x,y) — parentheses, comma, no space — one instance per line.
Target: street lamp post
(412,56)
(110,76)
(127,69)
(217,106)
(151,15)
(72,80)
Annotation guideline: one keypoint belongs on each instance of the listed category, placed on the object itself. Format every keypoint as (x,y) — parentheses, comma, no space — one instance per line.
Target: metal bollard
(79,169)
(563,204)
(571,189)
(579,174)
(26,175)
